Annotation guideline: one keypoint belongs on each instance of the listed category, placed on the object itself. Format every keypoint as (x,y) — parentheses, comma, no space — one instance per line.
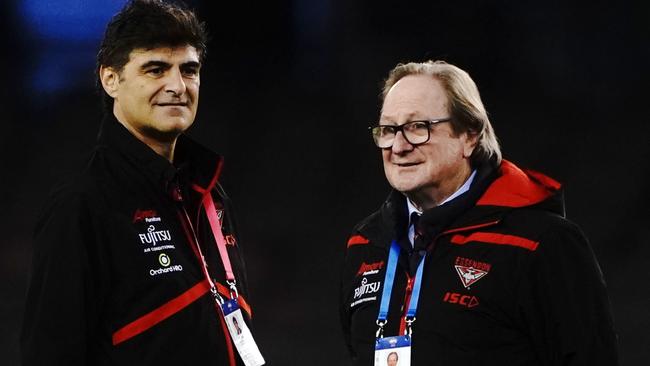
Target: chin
(403,185)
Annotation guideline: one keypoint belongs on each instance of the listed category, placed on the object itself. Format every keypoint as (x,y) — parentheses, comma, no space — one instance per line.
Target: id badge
(393,351)
(241,335)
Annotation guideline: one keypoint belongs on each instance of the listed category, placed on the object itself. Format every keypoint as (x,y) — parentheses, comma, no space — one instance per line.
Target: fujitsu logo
(366,288)
(372,268)
(154,236)
(469,271)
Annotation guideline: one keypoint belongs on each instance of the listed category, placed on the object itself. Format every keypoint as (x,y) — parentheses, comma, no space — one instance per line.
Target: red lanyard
(215,225)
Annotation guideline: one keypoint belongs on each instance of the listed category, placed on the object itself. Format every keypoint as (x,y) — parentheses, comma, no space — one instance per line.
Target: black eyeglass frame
(400,128)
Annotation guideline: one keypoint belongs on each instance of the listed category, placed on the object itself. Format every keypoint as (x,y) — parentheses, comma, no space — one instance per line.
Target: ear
(470,140)
(110,79)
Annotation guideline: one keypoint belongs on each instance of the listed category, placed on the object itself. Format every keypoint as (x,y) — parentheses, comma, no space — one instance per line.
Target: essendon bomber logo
(469,271)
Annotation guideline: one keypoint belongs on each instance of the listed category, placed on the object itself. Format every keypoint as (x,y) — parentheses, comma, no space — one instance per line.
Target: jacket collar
(193,165)
(515,187)
(495,191)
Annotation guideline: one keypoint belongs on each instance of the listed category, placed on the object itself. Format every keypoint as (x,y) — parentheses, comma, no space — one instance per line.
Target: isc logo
(463,300)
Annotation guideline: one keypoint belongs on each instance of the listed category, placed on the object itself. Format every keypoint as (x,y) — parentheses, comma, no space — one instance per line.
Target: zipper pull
(176,194)
(409,284)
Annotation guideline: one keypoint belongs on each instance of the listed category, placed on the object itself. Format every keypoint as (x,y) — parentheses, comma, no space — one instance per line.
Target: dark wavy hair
(148,24)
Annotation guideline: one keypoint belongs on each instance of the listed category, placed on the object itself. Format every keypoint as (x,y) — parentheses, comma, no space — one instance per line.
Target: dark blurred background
(287,92)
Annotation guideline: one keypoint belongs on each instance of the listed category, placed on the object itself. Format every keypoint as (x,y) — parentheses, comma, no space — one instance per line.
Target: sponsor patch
(153,236)
(165,262)
(360,301)
(467,301)
(230,240)
(366,288)
(145,215)
(368,269)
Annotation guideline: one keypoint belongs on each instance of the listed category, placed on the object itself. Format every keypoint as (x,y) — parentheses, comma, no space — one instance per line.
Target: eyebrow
(191,64)
(392,120)
(154,63)
(163,64)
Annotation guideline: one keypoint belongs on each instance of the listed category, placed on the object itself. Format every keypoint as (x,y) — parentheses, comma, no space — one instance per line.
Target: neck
(166,150)
(159,146)
(431,197)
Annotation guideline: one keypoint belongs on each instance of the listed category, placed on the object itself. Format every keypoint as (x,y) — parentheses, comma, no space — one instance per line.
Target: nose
(400,145)
(175,83)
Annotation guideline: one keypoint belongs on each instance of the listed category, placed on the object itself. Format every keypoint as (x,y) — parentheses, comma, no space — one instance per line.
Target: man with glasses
(470,259)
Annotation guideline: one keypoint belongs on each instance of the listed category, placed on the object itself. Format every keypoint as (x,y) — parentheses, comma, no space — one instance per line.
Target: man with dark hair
(137,259)
(470,260)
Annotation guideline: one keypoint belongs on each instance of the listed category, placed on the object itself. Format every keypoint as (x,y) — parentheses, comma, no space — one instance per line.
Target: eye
(417,126)
(156,71)
(190,71)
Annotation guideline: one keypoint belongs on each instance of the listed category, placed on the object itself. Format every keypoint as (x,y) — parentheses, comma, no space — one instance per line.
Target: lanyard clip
(233,289)
(380,330)
(409,323)
(216,296)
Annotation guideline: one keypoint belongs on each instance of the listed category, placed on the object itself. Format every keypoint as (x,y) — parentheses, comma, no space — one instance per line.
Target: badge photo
(393,351)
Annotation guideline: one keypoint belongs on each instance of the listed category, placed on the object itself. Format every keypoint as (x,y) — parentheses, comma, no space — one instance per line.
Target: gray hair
(466,108)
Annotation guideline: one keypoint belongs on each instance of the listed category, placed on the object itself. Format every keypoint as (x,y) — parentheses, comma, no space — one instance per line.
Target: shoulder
(541,224)
(559,240)
(82,191)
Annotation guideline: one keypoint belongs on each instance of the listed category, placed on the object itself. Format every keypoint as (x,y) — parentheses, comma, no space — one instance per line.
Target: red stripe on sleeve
(163,312)
(495,238)
(357,240)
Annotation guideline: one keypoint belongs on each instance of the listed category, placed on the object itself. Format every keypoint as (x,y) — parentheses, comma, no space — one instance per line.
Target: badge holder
(396,350)
(239,333)
(392,351)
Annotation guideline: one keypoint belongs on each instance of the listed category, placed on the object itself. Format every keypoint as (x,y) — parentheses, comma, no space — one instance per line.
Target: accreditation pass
(241,335)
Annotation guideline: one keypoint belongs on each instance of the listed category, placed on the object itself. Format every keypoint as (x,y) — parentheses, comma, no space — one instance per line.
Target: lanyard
(215,225)
(211,211)
(388,289)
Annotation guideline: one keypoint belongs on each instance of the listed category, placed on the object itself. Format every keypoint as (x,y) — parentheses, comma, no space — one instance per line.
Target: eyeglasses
(415,132)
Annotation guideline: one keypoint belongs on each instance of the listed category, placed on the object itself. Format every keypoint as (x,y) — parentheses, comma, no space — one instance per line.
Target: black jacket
(115,280)
(507,279)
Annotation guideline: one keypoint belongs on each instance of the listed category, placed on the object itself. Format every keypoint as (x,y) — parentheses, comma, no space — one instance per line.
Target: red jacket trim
(170,308)
(517,188)
(357,240)
(163,312)
(494,238)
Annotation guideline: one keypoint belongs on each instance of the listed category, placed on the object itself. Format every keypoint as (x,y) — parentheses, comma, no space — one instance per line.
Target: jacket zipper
(194,243)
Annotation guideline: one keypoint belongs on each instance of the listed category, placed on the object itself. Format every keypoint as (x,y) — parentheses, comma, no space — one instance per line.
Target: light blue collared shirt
(411,207)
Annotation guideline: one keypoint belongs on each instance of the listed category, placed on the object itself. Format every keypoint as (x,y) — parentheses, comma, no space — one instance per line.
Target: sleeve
(564,304)
(344,311)
(346,275)
(61,305)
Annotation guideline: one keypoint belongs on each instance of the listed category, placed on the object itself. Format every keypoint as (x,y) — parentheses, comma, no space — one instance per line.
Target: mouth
(174,104)
(406,165)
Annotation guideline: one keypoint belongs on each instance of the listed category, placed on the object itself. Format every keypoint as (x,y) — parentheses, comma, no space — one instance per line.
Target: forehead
(171,55)
(415,96)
